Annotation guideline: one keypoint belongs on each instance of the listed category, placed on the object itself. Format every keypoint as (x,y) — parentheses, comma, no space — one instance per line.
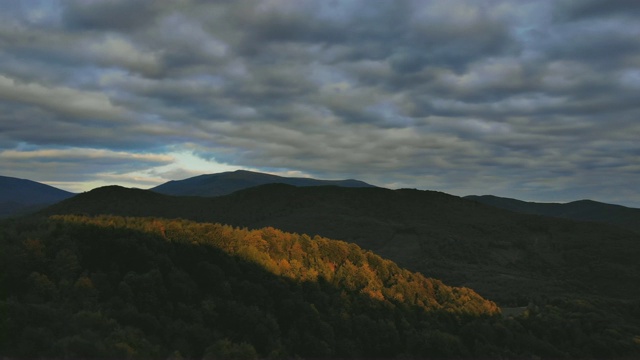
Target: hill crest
(579,210)
(228,182)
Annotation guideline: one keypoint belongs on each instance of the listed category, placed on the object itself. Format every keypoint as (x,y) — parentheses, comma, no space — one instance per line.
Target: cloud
(531,99)
(117,51)
(60,99)
(78,165)
(594,9)
(121,15)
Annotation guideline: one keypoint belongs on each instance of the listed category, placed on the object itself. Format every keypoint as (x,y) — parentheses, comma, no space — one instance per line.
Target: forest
(124,287)
(507,257)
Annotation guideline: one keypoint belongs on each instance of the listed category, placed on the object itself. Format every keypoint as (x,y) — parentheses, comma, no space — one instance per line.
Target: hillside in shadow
(581,210)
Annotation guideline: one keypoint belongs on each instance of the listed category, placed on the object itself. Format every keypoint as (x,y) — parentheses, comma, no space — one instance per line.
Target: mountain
(18,196)
(228,182)
(508,257)
(581,210)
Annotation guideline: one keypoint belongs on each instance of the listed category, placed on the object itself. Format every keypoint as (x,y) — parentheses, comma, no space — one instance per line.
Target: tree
(226,349)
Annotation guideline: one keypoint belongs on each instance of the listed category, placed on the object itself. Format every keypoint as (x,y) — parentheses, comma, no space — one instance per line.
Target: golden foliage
(303,259)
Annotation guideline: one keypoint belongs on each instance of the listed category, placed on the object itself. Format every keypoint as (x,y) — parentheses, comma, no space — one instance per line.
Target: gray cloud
(71,165)
(118,15)
(530,99)
(590,9)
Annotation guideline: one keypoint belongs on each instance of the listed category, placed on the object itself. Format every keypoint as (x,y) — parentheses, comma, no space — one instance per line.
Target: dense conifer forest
(120,287)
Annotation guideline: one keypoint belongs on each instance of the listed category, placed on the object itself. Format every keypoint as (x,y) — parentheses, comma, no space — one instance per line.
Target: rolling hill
(581,210)
(229,182)
(113,287)
(508,257)
(20,196)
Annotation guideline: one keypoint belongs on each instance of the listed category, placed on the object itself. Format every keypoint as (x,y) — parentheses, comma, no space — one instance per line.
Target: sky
(532,99)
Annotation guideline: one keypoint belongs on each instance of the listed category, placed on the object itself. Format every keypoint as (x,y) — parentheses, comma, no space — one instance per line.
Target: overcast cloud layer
(538,100)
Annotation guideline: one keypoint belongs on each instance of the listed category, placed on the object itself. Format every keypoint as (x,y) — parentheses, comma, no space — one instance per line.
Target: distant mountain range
(19,196)
(229,182)
(506,256)
(22,196)
(581,210)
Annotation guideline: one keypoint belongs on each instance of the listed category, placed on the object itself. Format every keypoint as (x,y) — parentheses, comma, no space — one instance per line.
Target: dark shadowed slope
(229,182)
(19,196)
(506,256)
(581,210)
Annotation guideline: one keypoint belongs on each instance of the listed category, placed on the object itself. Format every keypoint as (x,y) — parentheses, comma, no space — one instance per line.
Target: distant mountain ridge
(581,210)
(232,181)
(19,196)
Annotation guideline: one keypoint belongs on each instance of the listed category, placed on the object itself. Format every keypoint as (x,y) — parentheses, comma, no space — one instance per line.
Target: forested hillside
(116,287)
(581,210)
(508,257)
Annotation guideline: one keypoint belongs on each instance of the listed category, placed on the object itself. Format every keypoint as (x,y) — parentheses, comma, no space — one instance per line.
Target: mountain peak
(228,182)
(19,196)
